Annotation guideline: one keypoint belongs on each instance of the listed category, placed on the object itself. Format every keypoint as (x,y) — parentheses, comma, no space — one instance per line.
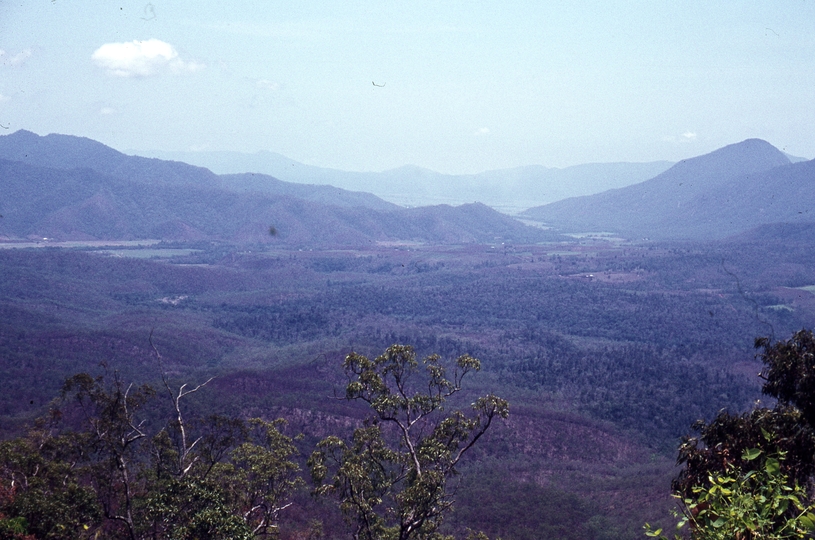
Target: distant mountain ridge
(68,187)
(724,192)
(70,152)
(508,190)
(324,194)
(98,193)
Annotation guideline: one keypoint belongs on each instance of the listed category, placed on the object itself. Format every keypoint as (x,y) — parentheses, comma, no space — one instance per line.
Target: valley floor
(607,351)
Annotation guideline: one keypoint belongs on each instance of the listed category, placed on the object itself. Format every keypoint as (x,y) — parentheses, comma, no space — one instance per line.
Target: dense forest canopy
(608,351)
(256,291)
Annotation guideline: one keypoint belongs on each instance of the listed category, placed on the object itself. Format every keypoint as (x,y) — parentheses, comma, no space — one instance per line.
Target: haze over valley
(507,190)
(406,270)
(610,321)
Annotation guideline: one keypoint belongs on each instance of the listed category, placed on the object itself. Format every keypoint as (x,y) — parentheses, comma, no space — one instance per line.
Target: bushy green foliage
(743,475)
(724,441)
(759,502)
(263,476)
(789,372)
(113,463)
(101,473)
(192,508)
(14,529)
(44,485)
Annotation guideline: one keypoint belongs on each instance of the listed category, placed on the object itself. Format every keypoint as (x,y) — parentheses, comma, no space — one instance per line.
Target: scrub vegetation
(607,352)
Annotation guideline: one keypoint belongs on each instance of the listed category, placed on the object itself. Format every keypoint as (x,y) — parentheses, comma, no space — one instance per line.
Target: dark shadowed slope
(802,234)
(727,191)
(781,195)
(468,223)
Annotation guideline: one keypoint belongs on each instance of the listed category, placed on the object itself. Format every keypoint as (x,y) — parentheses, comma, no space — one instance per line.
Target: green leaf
(808,521)
(772,466)
(751,454)
(782,506)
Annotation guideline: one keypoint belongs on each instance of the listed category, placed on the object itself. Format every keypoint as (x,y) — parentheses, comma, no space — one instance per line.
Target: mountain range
(71,188)
(74,188)
(722,193)
(508,190)
(606,352)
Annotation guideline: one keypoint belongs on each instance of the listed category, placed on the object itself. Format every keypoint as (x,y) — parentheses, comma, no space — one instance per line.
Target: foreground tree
(43,489)
(745,476)
(789,372)
(264,475)
(391,477)
(113,465)
(115,438)
(751,502)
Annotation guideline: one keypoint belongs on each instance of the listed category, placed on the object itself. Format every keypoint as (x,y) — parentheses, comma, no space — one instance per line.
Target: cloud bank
(141,59)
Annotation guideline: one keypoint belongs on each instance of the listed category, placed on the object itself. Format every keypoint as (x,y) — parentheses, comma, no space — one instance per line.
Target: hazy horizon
(454,88)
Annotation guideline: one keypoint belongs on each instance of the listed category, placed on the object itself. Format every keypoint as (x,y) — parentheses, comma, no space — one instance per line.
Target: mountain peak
(53,150)
(746,157)
(753,147)
(23,134)
(697,197)
(71,152)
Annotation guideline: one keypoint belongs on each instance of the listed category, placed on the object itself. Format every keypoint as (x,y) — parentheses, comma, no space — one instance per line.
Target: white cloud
(267,84)
(16,60)
(106,111)
(688,136)
(4,98)
(141,59)
(482,132)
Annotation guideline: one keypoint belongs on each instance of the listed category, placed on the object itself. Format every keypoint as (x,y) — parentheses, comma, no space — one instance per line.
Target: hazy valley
(611,325)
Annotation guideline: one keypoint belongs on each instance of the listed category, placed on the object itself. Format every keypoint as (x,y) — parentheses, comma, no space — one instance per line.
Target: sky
(457,87)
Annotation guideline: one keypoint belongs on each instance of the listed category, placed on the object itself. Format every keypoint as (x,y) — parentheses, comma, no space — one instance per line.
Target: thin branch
(185,450)
(477,436)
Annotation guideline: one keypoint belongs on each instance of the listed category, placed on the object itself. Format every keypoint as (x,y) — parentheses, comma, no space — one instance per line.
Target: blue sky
(467,86)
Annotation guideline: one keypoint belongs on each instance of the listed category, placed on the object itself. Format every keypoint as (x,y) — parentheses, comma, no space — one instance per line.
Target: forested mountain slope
(83,204)
(725,192)
(70,152)
(322,194)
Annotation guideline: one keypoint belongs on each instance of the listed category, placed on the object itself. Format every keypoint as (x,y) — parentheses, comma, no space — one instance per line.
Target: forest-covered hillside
(606,351)
(725,192)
